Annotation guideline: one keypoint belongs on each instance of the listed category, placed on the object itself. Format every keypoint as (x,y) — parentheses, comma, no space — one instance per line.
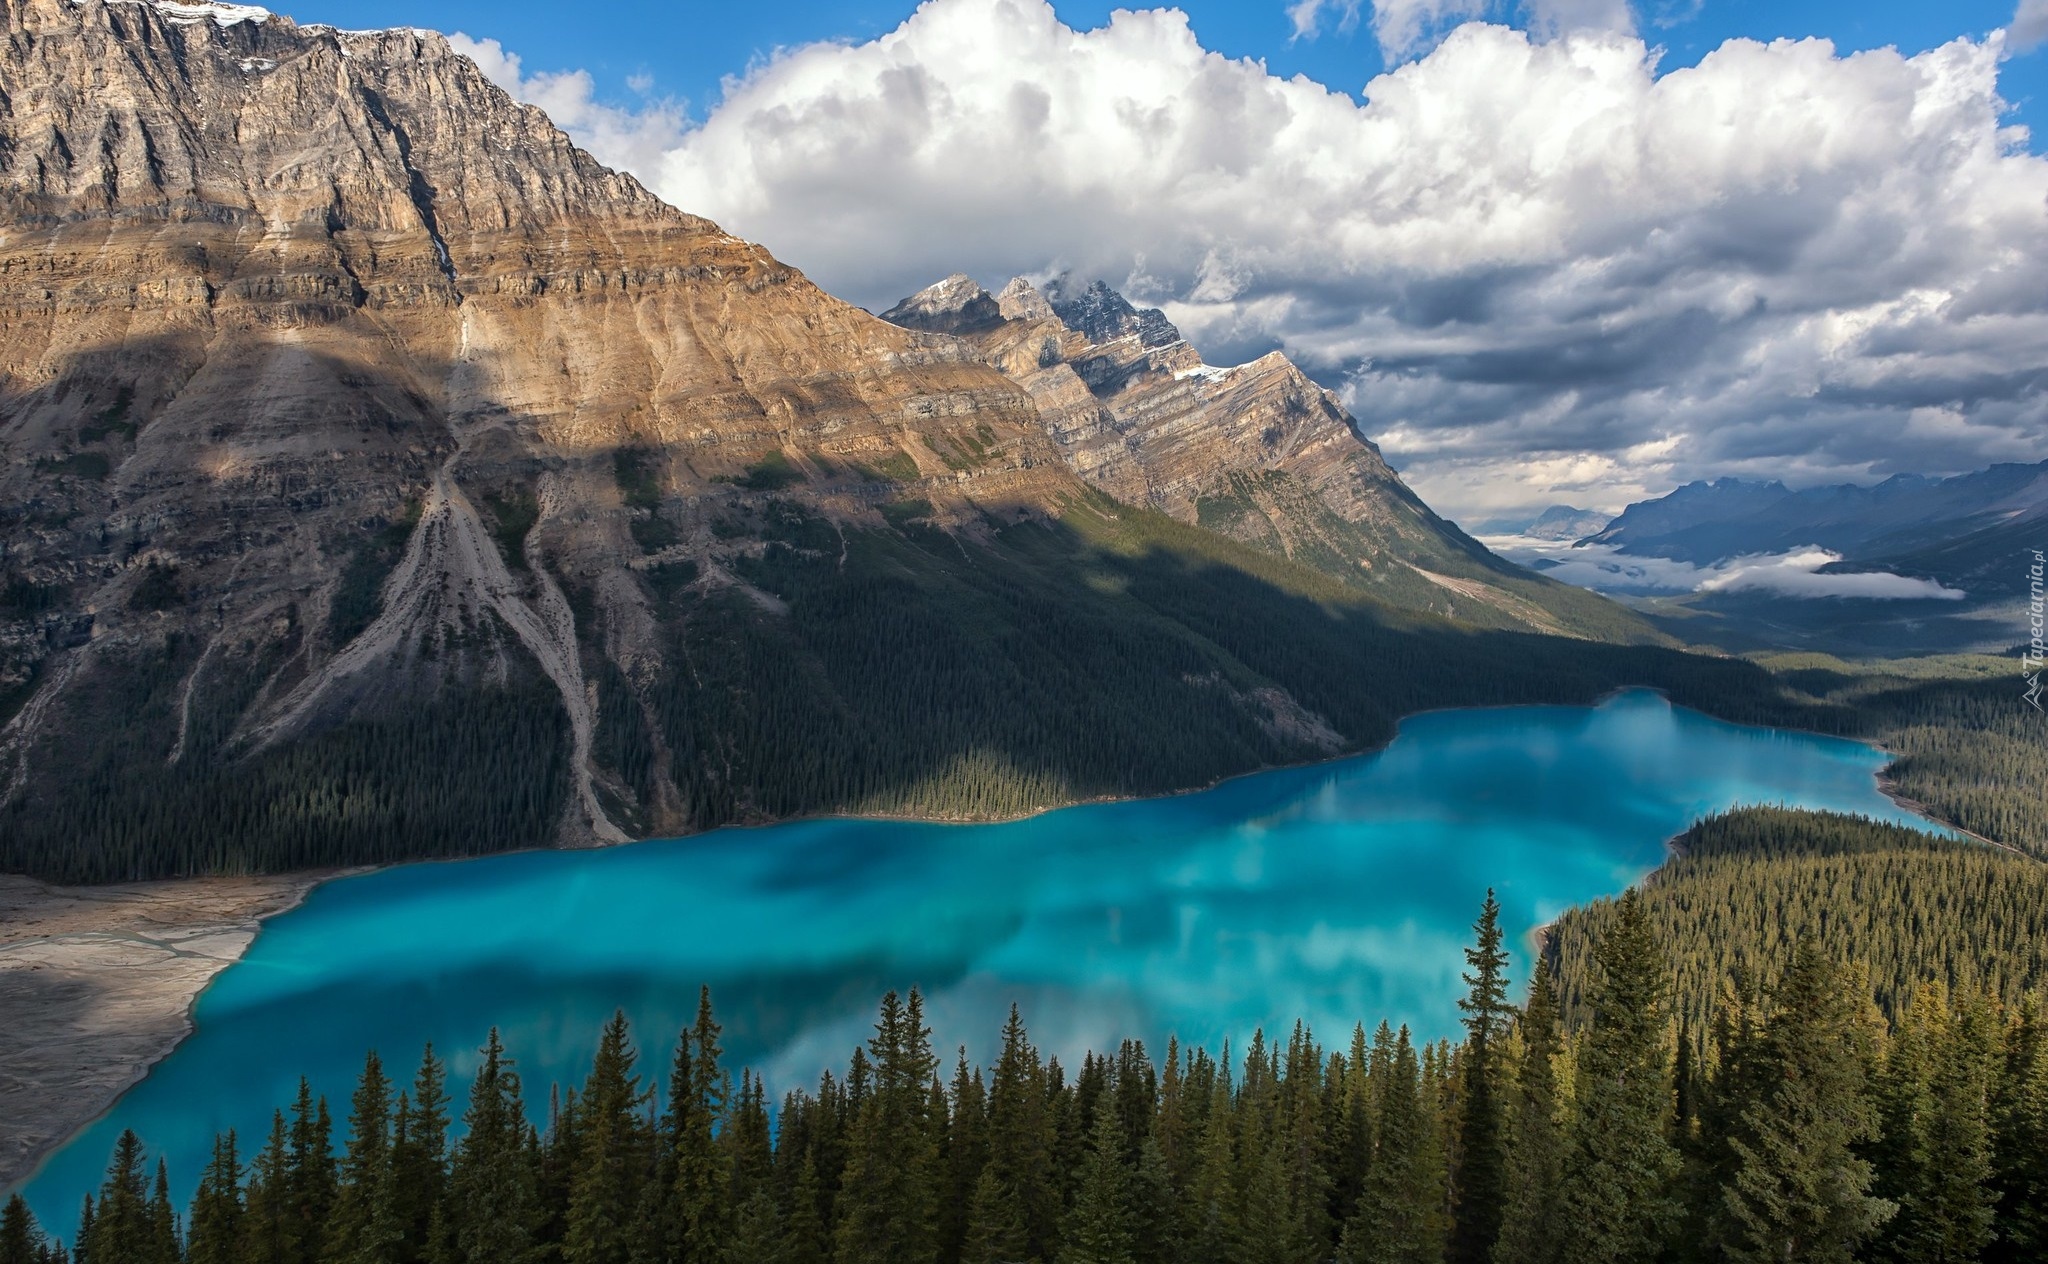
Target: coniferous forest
(1808,1126)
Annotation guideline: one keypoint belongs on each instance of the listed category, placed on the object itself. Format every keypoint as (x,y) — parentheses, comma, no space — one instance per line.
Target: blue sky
(683,49)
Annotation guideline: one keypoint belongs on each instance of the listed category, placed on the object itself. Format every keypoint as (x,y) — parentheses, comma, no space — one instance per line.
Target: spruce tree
(492,1210)
(1618,1192)
(216,1233)
(310,1177)
(272,1229)
(164,1244)
(1398,1217)
(121,1228)
(1478,1186)
(1947,1213)
(804,1236)
(694,1171)
(885,1198)
(1800,1189)
(1015,1192)
(966,1155)
(419,1160)
(2022,1139)
(1100,1227)
(21,1241)
(1531,1230)
(612,1155)
(365,1227)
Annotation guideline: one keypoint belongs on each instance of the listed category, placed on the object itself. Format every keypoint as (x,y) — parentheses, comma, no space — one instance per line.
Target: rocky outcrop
(1257,451)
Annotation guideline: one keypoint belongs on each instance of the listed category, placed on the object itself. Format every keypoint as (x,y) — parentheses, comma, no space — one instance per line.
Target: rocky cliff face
(381,476)
(1259,452)
(266,289)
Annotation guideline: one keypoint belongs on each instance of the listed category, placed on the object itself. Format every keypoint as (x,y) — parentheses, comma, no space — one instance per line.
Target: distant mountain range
(1970,531)
(1558,522)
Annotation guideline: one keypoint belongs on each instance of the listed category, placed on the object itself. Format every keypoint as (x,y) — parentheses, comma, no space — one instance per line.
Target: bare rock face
(1258,451)
(276,297)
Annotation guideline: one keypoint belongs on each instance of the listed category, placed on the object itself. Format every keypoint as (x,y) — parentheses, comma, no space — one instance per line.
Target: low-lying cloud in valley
(1793,573)
(1536,267)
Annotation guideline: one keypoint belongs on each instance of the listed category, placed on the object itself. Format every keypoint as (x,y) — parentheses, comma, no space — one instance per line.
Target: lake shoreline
(108,963)
(99,984)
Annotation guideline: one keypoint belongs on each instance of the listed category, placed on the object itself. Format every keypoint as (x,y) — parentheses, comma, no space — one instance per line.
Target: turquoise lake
(1339,893)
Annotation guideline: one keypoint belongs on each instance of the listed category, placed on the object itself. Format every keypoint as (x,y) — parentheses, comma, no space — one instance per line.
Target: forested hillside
(1110,651)
(1744,889)
(1809,1130)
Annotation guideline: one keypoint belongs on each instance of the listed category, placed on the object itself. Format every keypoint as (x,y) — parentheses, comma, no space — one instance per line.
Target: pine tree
(1800,1190)
(804,1237)
(1947,1213)
(121,1228)
(1531,1231)
(966,1156)
(21,1241)
(1014,1193)
(310,1176)
(1478,1187)
(2022,1139)
(1398,1217)
(1620,1171)
(694,1172)
(611,1156)
(364,1227)
(1100,1227)
(271,1223)
(164,1246)
(217,1209)
(419,1160)
(885,1198)
(492,1209)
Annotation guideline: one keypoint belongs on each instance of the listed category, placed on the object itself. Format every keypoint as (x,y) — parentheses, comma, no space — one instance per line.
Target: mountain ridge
(1259,451)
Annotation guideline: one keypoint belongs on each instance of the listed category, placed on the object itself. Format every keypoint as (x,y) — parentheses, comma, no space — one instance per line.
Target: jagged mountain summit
(381,476)
(1259,452)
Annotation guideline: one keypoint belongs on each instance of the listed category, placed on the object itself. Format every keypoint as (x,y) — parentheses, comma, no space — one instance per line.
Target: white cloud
(1307,16)
(1520,252)
(632,140)
(1561,17)
(1794,573)
(1402,26)
(2029,25)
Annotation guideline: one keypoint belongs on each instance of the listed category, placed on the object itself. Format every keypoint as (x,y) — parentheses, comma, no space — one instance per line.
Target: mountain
(383,477)
(1564,522)
(1557,522)
(1964,531)
(1258,452)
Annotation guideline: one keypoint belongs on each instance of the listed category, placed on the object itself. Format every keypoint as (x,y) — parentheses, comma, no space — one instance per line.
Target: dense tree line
(1810,1130)
(1743,889)
(157,784)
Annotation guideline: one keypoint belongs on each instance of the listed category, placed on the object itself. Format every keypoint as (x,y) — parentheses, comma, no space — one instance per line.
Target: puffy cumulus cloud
(633,139)
(1794,573)
(1519,253)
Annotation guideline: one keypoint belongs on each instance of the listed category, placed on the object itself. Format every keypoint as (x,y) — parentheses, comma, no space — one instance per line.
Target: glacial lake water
(1338,893)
